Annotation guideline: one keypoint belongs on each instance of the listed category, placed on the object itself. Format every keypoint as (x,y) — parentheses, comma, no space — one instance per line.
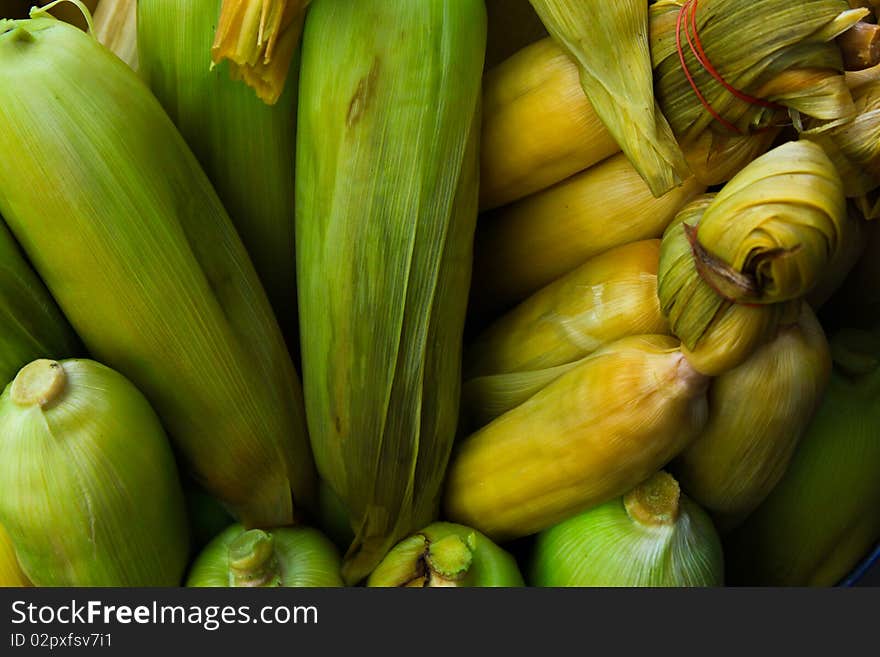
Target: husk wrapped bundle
(594,433)
(758,412)
(736,264)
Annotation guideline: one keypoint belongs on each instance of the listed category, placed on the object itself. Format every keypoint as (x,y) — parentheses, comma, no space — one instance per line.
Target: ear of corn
(246,148)
(91,495)
(446,555)
(137,249)
(757,414)
(386,207)
(652,536)
(821,518)
(259,39)
(733,265)
(285,557)
(33,326)
(610,43)
(611,296)
(10,571)
(528,244)
(116,26)
(588,437)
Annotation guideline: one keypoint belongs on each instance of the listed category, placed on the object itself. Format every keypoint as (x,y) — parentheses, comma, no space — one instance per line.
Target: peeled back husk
(285,557)
(607,424)
(611,296)
(91,495)
(446,555)
(758,412)
(652,536)
(822,519)
(10,572)
(246,148)
(528,244)
(126,231)
(116,26)
(736,264)
(386,208)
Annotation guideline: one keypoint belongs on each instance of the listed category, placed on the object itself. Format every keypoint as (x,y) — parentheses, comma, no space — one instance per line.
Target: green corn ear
(386,209)
(126,231)
(247,148)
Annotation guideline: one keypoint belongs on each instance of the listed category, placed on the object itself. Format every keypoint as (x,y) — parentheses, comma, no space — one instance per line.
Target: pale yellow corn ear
(528,244)
(538,126)
(132,241)
(757,415)
(588,437)
(612,295)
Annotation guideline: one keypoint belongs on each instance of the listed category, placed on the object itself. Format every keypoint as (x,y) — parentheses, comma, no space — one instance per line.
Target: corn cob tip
(252,560)
(655,502)
(39,383)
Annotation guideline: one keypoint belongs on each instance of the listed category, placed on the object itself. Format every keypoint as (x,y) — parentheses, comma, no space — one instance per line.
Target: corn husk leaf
(247,148)
(821,519)
(652,536)
(115,26)
(739,262)
(259,39)
(386,208)
(588,437)
(10,571)
(758,412)
(610,43)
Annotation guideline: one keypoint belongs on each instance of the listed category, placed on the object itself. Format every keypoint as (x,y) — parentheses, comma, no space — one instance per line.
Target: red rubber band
(699,53)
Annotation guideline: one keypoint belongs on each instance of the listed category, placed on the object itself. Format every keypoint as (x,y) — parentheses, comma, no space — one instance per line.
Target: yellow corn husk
(853,145)
(259,39)
(610,43)
(513,25)
(591,435)
(527,245)
(130,238)
(757,414)
(611,296)
(387,157)
(852,245)
(91,494)
(652,536)
(538,126)
(735,264)
(247,148)
(10,570)
(115,24)
(821,519)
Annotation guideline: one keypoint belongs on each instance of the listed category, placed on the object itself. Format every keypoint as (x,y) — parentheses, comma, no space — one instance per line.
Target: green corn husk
(652,536)
(386,209)
(774,50)
(758,412)
(610,43)
(446,555)
(285,557)
(594,433)
(609,297)
(131,240)
(10,570)
(32,325)
(736,264)
(822,519)
(91,495)
(259,39)
(247,148)
(116,26)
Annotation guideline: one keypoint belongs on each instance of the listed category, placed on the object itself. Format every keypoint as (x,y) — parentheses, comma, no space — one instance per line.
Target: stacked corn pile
(315,293)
